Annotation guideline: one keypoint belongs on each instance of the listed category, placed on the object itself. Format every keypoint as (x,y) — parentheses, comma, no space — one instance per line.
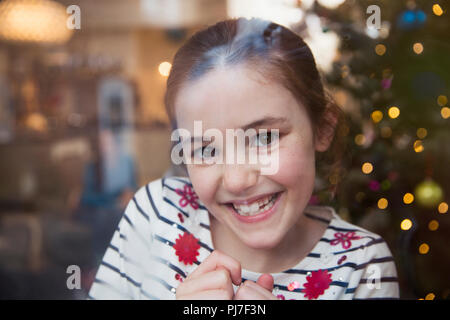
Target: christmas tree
(393,81)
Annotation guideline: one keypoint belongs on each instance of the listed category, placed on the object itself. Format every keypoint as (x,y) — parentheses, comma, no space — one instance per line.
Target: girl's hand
(259,290)
(212,280)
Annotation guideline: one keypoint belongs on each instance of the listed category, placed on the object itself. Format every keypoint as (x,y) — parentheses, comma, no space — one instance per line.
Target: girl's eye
(265,139)
(204,152)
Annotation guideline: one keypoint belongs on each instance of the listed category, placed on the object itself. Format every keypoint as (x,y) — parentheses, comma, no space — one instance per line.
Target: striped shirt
(164,235)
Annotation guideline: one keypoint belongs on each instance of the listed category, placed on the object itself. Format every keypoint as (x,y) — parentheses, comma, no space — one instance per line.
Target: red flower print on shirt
(342,259)
(293,285)
(188,196)
(317,283)
(344,239)
(178,277)
(186,248)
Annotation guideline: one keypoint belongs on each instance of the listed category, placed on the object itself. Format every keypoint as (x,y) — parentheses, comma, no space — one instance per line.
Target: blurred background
(82,125)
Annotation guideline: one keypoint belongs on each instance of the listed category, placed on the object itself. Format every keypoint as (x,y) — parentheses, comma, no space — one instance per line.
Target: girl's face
(259,209)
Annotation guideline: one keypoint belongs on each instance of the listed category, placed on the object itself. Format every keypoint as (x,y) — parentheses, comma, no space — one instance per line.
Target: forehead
(230,97)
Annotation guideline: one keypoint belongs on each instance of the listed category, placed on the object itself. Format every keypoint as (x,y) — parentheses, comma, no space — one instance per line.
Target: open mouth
(256,207)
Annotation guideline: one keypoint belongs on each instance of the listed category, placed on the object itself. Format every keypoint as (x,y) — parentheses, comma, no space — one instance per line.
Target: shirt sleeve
(120,273)
(378,279)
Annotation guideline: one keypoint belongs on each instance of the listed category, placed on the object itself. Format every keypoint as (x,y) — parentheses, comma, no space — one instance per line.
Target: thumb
(266,281)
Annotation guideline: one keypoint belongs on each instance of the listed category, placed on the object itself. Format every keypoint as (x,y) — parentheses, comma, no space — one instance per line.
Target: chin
(261,241)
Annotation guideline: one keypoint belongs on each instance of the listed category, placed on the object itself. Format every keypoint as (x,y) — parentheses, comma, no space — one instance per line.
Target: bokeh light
(424,248)
(394,112)
(437,10)
(406,224)
(385,185)
(377,116)
(38,21)
(445,112)
(367,167)
(418,48)
(164,68)
(382,203)
(443,207)
(433,225)
(380,49)
(430,296)
(442,100)
(331,4)
(360,139)
(418,146)
(421,133)
(408,198)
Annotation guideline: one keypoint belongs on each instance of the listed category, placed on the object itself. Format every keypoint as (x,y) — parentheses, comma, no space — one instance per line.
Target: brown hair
(278,54)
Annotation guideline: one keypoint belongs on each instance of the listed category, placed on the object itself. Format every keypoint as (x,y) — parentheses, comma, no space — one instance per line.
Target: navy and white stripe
(140,262)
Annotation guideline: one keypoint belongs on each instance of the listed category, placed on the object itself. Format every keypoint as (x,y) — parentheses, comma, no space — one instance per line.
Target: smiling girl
(227,231)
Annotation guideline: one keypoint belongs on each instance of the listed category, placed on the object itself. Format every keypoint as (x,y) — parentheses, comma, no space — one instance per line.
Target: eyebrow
(266,121)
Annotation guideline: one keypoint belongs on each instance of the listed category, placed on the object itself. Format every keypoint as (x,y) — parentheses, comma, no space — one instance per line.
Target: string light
(377,116)
(445,112)
(418,146)
(406,224)
(382,203)
(437,10)
(367,167)
(380,49)
(430,296)
(164,68)
(418,48)
(393,112)
(433,225)
(443,207)
(408,198)
(424,248)
(360,139)
(421,133)
(442,100)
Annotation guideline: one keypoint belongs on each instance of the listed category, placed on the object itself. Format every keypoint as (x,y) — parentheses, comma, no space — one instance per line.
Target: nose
(237,178)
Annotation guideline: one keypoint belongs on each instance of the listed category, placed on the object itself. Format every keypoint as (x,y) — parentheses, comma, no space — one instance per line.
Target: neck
(296,244)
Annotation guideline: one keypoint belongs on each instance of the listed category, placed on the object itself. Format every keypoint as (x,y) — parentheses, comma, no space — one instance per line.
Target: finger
(266,281)
(218,259)
(217,279)
(217,294)
(249,291)
(263,291)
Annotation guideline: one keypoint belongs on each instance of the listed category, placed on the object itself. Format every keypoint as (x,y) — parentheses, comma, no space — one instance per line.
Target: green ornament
(385,185)
(428,193)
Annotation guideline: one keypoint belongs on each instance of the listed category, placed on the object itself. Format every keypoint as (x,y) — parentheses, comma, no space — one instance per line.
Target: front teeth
(256,207)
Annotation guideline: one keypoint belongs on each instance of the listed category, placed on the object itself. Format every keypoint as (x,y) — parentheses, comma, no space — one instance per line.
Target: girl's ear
(326,130)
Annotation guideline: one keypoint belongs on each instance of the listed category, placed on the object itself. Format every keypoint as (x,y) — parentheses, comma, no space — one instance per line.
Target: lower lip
(260,216)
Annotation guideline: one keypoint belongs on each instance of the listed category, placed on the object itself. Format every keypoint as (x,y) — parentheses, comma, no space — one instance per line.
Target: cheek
(296,168)
(203,182)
